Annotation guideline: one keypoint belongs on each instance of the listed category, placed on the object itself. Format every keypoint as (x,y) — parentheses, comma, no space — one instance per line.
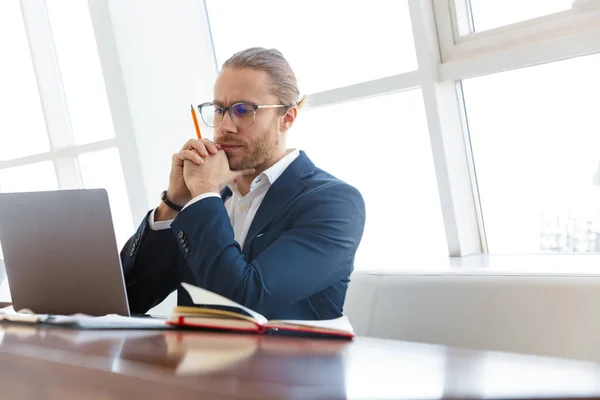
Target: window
(35,36)
(28,178)
(103,169)
(490,14)
(388,158)
(22,126)
(508,117)
(81,73)
(31,177)
(535,134)
(329,44)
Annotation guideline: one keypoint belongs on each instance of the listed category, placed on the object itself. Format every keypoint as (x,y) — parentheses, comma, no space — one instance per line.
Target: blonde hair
(271,61)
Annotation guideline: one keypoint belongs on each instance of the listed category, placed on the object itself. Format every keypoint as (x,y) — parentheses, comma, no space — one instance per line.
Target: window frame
(63,150)
(465,54)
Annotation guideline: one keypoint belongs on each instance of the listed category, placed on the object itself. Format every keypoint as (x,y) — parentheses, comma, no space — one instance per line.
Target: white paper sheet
(83,321)
(110,321)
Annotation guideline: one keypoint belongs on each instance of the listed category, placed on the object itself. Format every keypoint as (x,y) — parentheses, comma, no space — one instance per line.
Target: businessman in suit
(245,217)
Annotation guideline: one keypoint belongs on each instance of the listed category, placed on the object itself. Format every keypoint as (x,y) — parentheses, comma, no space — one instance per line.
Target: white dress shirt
(241,209)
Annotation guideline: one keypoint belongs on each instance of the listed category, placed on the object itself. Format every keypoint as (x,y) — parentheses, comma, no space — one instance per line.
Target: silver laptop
(60,253)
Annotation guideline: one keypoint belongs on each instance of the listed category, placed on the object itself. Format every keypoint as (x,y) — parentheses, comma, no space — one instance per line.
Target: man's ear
(288,119)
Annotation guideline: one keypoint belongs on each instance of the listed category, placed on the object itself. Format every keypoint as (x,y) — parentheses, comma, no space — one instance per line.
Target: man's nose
(227,125)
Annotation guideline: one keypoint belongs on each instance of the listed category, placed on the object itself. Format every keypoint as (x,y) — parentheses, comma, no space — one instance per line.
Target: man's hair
(271,61)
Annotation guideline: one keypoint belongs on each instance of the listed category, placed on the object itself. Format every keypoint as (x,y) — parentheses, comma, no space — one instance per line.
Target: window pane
(535,134)
(390,162)
(28,178)
(81,72)
(22,126)
(329,43)
(102,169)
(490,14)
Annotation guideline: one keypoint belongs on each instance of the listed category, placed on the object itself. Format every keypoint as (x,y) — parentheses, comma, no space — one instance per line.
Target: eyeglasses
(242,114)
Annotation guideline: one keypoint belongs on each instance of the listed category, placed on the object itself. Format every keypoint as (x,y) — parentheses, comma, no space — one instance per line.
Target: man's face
(254,146)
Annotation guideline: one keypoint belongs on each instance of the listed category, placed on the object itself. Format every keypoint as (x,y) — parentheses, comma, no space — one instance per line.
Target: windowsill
(579,264)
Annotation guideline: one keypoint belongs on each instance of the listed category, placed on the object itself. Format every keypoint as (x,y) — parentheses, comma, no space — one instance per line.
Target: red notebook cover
(266,329)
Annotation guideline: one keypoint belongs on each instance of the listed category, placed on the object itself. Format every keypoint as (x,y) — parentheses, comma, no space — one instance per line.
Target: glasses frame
(255,108)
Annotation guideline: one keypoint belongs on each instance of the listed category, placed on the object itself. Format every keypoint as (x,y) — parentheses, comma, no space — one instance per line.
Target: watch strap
(169,203)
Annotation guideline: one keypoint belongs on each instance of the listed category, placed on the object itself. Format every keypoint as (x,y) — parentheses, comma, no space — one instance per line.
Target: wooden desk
(52,363)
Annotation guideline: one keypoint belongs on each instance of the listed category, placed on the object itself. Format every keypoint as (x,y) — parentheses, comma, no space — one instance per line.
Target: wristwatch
(163,197)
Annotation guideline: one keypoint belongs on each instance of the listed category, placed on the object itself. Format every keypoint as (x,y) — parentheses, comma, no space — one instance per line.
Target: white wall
(157,59)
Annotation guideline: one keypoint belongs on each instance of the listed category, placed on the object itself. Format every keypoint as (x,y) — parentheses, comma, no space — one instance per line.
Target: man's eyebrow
(222,103)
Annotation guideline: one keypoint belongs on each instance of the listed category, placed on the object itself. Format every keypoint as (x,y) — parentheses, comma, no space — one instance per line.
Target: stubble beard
(262,149)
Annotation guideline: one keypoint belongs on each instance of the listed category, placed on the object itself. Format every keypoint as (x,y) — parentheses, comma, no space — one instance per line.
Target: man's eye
(242,110)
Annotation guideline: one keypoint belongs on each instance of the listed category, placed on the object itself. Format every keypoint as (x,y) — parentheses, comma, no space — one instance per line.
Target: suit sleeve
(149,260)
(316,250)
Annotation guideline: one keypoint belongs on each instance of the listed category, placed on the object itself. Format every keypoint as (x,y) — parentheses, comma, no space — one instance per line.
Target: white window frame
(63,150)
(562,35)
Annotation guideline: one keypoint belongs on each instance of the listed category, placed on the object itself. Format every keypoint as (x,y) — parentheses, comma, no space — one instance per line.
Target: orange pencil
(196,122)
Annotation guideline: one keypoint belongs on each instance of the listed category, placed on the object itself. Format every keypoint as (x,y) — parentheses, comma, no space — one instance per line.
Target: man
(281,235)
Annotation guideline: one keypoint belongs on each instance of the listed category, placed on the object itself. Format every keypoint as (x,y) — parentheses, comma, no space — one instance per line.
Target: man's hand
(209,177)
(178,192)
(193,151)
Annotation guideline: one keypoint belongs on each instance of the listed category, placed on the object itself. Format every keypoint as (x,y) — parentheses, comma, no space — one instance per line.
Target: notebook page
(341,324)
(206,297)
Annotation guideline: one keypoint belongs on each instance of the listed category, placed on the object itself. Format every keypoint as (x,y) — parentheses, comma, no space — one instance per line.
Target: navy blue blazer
(296,261)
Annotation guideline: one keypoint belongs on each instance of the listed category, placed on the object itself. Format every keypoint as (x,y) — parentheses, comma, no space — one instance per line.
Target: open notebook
(213,311)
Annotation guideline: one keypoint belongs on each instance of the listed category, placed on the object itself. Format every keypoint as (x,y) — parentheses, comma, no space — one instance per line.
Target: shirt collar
(277,169)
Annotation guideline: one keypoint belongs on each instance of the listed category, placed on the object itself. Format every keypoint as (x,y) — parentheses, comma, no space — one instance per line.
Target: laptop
(60,253)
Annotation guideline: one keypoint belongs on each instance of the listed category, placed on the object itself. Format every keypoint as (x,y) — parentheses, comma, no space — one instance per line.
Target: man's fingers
(188,145)
(199,147)
(204,147)
(177,160)
(210,146)
(190,155)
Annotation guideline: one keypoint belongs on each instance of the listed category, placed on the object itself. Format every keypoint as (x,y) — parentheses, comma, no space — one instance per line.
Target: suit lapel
(279,195)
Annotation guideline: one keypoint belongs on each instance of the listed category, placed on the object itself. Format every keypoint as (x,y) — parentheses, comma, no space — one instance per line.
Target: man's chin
(236,164)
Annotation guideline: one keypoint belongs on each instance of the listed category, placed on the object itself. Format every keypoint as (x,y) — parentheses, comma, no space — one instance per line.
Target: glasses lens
(243,114)
(211,114)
